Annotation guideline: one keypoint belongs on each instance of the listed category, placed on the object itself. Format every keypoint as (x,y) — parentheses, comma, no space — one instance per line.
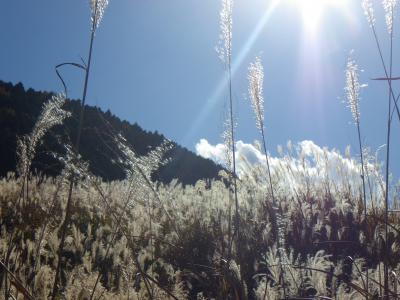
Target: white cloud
(302,162)
(244,153)
(215,153)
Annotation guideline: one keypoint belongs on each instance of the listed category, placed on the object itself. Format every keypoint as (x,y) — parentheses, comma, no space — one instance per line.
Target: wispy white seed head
(256,81)
(227,138)
(142,167)
(390,8)
(352,88)
(224,47)
(369,12)
(73,163)
(228,143)
(98,8)
(52,114)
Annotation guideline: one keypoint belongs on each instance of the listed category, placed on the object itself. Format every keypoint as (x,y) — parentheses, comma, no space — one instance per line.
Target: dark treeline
(19,109)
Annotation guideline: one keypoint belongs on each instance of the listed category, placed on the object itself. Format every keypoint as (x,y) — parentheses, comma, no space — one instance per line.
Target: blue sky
(155,64)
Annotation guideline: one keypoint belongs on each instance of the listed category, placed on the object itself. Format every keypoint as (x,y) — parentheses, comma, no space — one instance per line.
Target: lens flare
(312,11)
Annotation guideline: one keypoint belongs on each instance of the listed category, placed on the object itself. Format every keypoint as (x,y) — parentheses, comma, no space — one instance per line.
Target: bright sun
(313,10)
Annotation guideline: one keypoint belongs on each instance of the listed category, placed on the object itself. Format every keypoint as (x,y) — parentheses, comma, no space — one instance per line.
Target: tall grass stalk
(256,81)
(353,87)
(225,54)
(389,20)
(389,6)
(97,8)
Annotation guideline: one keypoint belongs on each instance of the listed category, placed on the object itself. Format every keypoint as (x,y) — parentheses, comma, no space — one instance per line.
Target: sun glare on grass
(313,11)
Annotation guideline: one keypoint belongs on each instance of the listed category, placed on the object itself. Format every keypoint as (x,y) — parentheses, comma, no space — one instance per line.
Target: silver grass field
(311,223)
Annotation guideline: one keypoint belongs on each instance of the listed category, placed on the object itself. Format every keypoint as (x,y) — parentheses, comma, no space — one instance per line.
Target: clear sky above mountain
(155,64)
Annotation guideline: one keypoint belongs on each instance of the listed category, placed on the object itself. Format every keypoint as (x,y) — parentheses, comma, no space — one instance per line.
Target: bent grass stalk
(98,7)
(52,114)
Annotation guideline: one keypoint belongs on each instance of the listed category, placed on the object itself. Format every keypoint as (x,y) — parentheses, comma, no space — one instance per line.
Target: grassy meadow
(312,223)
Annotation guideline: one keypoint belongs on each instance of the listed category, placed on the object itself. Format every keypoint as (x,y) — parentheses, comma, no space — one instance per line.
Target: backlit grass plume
(98,8)
(52,114)
(352,88)
(390,7)
(227,138)
(369,12)
(256,80)
(224,48)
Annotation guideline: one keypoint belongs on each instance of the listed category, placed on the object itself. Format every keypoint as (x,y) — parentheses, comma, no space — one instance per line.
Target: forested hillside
(19,109)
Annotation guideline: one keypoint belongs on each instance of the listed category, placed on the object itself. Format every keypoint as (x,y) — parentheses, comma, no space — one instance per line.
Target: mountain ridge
(20,107)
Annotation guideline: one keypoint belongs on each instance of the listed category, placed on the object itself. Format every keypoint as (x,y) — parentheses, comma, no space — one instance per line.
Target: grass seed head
(352,88)
(224,47)
(369,12)
(256,81)
(98,8)
(390,9)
